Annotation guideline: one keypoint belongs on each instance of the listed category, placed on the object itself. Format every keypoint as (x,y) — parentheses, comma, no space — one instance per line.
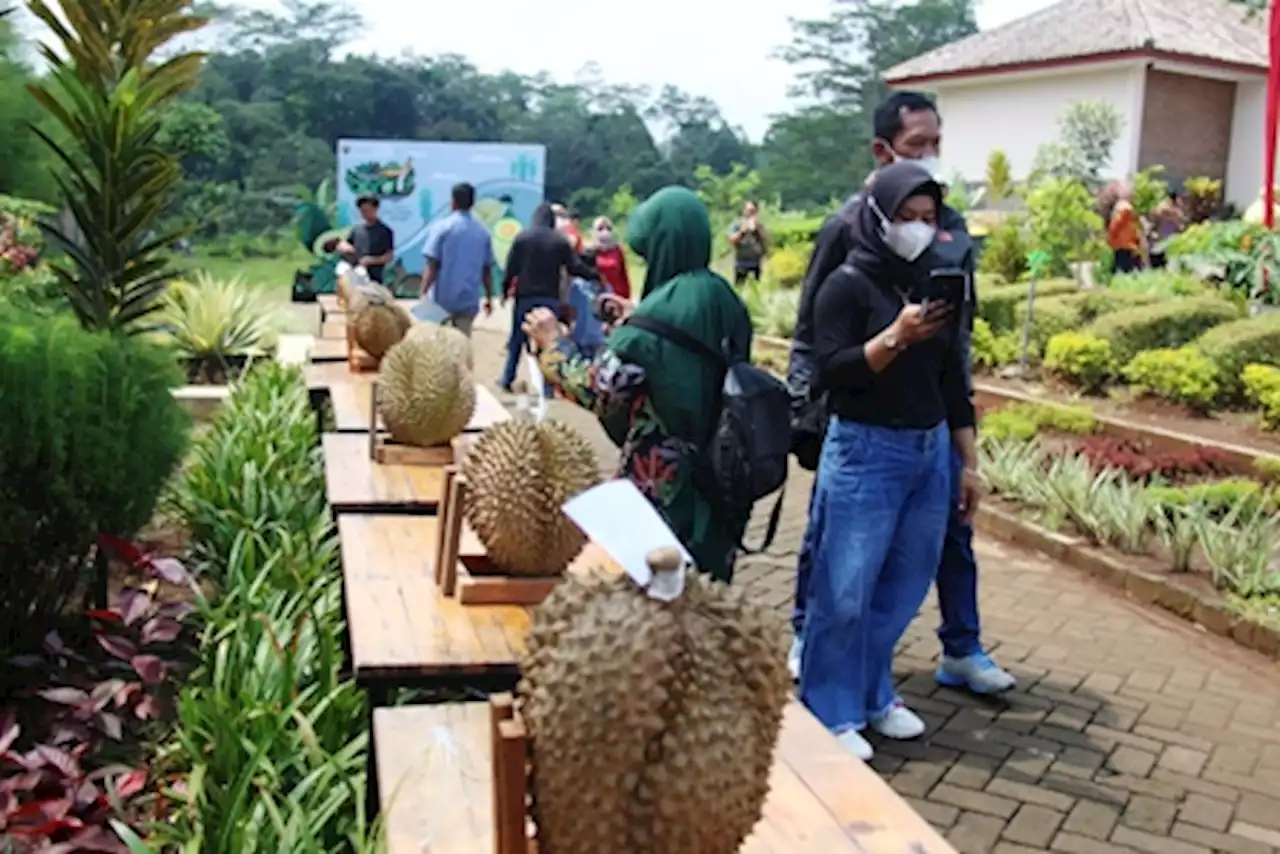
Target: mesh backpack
(745,456)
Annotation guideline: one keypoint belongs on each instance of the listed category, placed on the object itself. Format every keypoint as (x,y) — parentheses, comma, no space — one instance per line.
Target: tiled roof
(1213,30)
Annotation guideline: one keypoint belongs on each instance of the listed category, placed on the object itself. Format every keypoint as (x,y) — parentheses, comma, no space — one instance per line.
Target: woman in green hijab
(657,400)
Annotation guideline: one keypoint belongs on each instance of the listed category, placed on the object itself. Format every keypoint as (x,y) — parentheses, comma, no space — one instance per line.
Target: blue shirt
(588,331)
(460,244)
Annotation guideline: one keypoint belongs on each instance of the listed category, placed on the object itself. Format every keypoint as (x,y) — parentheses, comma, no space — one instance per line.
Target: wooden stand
(474,579)
(384,451)
(358,360)
(512,831)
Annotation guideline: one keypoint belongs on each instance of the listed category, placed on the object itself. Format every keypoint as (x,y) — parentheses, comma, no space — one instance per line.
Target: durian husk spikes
(426,392)
(519,474)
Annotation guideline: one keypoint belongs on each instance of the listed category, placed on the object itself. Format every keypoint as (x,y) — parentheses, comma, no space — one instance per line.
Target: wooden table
(334,328)
(329,350)
(329,307)
(354,483)
(823,801)
(350,401)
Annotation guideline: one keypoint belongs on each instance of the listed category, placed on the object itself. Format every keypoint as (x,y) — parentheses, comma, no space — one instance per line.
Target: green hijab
(672,232)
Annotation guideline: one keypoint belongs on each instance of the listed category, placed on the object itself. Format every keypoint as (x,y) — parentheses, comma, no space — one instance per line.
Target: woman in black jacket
(893,367)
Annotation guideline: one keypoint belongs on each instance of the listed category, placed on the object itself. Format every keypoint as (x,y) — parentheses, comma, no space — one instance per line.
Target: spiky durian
(426,393)
(654,723)
(519,474)
(377,320)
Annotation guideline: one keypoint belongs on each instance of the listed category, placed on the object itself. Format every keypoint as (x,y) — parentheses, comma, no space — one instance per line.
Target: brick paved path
(1130,731)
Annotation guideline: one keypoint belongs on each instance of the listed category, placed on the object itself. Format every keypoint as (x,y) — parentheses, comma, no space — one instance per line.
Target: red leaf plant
(84,708)
(1140,462)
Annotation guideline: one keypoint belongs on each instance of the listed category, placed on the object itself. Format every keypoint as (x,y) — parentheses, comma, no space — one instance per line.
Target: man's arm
(515,257)
(735,232)
(435,246)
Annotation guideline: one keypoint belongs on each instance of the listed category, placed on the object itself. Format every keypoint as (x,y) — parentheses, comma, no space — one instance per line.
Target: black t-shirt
(535,262)
(375,239)
(923,386)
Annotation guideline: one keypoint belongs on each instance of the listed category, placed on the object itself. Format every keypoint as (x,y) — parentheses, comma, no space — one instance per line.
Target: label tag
(537,388)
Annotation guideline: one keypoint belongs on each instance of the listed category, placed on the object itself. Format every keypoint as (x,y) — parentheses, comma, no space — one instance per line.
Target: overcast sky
(717,48)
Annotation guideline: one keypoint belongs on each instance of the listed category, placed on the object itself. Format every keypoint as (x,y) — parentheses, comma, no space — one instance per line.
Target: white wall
(1244,168)
(1019,112)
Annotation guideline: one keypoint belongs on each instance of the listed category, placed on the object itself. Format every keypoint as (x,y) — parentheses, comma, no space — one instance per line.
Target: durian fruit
(426,392)
(519,474)
(653,723)
(377,320)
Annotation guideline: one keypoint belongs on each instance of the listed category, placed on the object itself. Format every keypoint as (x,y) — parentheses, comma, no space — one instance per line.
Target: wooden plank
(329,350)
(325,376)
(329,307)
(334,328)
(355,483)
(350,401)
(443,754)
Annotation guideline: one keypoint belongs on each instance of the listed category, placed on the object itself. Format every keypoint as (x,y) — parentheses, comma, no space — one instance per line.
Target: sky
(717,48)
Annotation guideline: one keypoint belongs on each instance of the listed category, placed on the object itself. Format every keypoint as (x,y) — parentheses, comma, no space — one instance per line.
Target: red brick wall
(1186,125)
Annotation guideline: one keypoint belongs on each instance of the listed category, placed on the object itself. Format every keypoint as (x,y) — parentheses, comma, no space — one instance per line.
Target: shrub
(1084,359)
(1168,324)
(787,266)
(1262,386)
(1004,253)
(219,324)
(1140,461)
(1218,497)
(988,350)
(1022,421)
(1165,283)
(1234,345)
(1183,376)
(999,175)
(1066,312)
(90,433)
(998,305)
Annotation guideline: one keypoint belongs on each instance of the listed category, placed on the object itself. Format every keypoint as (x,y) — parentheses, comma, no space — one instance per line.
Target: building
(1188,77)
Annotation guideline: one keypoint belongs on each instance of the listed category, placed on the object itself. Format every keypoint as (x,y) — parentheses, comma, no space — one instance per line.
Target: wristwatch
(890,341)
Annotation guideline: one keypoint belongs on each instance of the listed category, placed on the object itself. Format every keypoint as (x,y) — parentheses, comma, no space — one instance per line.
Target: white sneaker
(852,741)
(899,723)
(793,659)
(978,673)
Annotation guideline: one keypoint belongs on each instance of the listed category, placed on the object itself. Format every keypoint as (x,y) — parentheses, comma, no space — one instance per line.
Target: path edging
(1207,611)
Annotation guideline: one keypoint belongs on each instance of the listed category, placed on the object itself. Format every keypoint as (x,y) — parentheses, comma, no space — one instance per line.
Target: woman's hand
(916,323)
(970,495)
(543,328)
(616,309)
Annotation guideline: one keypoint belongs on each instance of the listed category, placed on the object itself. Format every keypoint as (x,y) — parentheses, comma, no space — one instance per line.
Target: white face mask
(909,239)
(932,165)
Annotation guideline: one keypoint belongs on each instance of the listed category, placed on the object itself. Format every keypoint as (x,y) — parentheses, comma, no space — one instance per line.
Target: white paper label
(537,387)
(620,520)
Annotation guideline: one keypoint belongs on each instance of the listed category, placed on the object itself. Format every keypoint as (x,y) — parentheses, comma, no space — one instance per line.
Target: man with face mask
(907,127)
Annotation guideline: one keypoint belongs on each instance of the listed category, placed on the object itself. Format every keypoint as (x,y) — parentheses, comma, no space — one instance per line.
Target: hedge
(1164,325)
(997,304)
(1067,312)
(1232,346)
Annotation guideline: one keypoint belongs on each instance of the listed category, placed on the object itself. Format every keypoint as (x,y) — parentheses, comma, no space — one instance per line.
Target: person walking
(610,259)
(657,400)
(907,128)
(750,244)
(1124,232)
(371,243)
(539,261)
(894,368)
(459,273)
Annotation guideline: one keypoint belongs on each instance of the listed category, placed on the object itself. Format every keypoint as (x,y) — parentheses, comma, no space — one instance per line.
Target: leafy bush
(1140,461)
(1211,238)
(773,312)
(1204,197)
(89,436)
(218,324)
(1004,253)
(1262,387)
(1063,222)
(34,290)
(999,177)
(1218,497)
(1066,312)
(1232,346)
(1167,324)
(795,233)
(1084,359)
(1164,283)
(787,266)
(1023,421)
(988,350)
(1181,375)
(998,305)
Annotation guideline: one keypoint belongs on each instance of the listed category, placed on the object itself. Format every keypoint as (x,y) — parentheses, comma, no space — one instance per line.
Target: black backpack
(745,457)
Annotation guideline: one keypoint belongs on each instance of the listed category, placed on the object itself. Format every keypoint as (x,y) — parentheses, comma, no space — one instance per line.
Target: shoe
(505,387)
(899,723)
(852,741)
(977,673)
(793,659)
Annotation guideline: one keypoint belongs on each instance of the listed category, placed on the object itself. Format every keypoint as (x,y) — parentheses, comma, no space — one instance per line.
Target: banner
(412,181)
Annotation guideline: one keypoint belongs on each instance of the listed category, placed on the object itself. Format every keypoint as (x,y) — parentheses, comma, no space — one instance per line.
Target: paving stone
(1033,825)
(940,816)
(1130,760)
(1265,835)
(1154,843)
(967,799)
(975,834)
(1219,842)
(1030,794)
(1092,819)
(1150,814)
(1205,812)
(1070,843)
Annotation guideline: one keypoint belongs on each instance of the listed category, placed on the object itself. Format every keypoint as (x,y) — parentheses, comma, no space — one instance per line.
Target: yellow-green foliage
(1067,312)
(1004,253)
(1232,346)
(1262,386)
(1218,497)
(1182,375)
(1267,468)
(786,266)
(1170,323)
(1023,421)
(998,305)
(999,175)
(988,350)
(1081,358)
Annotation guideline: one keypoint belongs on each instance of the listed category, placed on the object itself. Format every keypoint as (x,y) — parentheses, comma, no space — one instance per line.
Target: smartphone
(945,284)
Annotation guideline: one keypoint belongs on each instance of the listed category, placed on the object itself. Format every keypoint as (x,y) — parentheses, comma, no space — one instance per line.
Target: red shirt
(612,264)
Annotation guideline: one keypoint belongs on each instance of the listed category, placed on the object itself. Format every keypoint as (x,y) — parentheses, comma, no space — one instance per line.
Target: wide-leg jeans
(881,508)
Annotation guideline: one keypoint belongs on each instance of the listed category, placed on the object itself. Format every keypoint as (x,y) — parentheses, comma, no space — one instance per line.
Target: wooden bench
(329,350)
(435,779)
(334,328)
(329,307)
(354,483)
(351,406)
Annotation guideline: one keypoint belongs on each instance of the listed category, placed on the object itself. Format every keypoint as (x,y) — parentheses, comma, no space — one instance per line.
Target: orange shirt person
(1124,234)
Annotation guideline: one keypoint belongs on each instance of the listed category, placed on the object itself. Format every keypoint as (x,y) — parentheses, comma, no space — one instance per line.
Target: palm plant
(108,92)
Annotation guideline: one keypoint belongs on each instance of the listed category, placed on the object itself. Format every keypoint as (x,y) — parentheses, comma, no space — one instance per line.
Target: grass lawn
(273,274)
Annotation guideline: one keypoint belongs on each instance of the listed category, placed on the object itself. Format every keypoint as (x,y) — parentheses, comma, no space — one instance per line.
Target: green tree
(999,176)
(109,94)
(24,165)
(1087,132)
(1063,223)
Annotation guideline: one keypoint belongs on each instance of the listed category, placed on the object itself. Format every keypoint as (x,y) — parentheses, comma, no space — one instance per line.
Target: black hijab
(890,187)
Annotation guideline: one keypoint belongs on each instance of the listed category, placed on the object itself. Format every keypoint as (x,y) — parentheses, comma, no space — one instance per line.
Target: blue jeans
(881,512)
(516,341)
(957,581)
